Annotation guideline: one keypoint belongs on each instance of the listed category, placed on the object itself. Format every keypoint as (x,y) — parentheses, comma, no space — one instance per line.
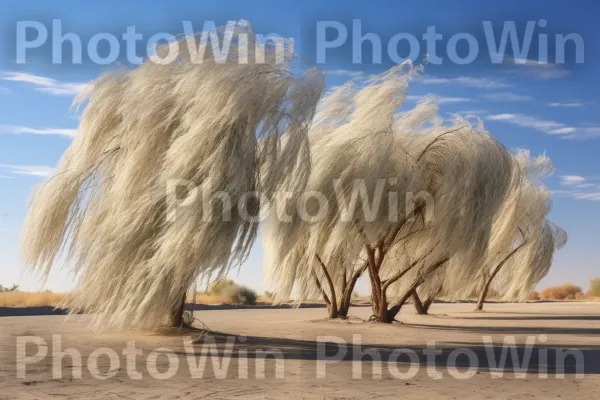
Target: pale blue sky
(547,108)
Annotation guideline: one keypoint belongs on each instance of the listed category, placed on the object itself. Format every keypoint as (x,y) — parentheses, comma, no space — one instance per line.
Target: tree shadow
(31,311)
(542,358)
(536,317)
(514,330)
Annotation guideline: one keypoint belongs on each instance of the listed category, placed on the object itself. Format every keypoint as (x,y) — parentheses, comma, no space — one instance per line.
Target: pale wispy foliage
(217,125)
(522,243)
(448,180)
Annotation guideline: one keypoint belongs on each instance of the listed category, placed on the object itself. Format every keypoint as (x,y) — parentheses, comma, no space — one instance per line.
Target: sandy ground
(320,359)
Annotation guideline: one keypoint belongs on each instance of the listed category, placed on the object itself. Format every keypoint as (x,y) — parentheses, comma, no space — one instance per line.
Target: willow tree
(519,231)
(527,268)
(366,151)
(320,248)
(225,127)
(466,174)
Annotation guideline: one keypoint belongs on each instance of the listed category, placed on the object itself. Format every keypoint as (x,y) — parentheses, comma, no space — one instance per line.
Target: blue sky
(549,108)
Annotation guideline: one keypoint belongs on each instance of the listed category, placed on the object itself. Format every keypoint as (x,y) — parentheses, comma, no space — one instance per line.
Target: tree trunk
(488,283)
(379,288)
(346,298)
(335,308)
(428,302)
(177,316)
(395,309)
(419,306)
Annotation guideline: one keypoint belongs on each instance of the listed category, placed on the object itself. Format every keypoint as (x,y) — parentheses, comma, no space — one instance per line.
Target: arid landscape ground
(309,344)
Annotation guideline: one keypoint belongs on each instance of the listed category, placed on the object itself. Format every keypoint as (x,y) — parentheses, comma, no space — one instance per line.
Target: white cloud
(482,83)
(526,121)
(473,112)
(563,131)
(32,170)
(452,100)
(440,99)
(18,130)
(537,69)
(569,180)
(566,105)
(578,187)
(45,84)
(587,196)
(4,90)
(345,72)
(507,96)
(5,177)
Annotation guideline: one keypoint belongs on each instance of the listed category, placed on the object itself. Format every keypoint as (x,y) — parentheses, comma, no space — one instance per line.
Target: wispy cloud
(563,131)
(482,83)
(440,99)
(565,105)
(4,90)
(345,72)
(31,170)
(6,177)
(526,121)
(507,96)
(549,127)
(578,187)
(45,84)
(19,130)
(537,69)
(587,196)
(569,180)
(473,112)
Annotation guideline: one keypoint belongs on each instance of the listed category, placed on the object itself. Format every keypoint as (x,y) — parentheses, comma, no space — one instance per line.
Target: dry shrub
(204,298)
(568,291)
(228,288)
(534,295)
(30,299)
(594,287)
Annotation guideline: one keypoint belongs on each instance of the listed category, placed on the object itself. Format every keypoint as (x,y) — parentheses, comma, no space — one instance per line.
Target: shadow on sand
(550,359)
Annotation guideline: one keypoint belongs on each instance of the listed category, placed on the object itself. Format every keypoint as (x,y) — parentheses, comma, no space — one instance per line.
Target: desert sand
(304,339)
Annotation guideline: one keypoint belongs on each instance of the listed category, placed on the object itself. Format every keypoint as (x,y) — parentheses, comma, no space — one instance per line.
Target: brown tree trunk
(419,306)
(395,309)
(177,316)
(427,303)
(379,288)
(488,283)
(346,299)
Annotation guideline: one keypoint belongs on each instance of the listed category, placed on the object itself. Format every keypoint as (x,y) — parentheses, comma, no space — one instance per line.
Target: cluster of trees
(12,288)
(469,215)
(449,208)
(569,291)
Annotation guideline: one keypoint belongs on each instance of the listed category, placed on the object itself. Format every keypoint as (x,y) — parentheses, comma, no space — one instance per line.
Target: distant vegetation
(228,288)
(567,291)
(594,287)
(13,288)
(30,299)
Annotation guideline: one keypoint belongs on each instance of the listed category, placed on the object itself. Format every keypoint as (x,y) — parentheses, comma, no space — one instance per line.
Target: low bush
(228,288)
(567,291)
(534,295)
(594,287)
